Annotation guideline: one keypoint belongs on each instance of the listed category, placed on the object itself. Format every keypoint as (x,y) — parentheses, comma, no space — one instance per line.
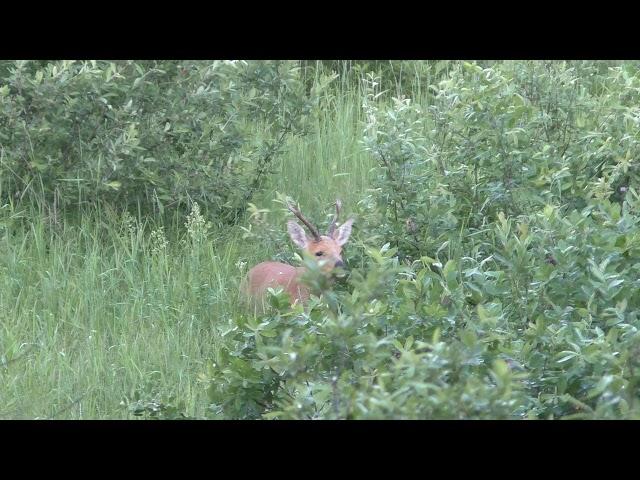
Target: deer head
(326,248)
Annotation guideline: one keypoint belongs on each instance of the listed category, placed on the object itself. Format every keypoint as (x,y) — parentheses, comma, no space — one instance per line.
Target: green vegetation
(493,269)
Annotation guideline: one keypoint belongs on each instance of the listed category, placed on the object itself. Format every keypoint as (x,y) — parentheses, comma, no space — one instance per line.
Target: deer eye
(319,254)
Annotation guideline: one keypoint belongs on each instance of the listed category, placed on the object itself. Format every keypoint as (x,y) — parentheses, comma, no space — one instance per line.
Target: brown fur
(272,275)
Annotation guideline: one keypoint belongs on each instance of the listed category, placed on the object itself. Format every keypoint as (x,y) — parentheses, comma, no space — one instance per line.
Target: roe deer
(325,248)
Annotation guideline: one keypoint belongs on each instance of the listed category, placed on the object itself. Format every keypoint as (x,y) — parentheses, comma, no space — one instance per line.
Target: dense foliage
(146,134)
(510,292)
(495,261)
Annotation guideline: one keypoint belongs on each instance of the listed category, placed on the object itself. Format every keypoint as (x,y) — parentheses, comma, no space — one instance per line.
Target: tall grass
(329,161)
(90,316)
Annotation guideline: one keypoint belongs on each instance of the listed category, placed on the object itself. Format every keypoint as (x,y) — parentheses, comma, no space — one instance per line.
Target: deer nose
(339,263)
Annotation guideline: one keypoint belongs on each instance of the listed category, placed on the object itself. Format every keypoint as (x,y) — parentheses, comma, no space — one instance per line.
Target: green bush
(513,137)
(378,356)
(511,333)
(146,134)
(506,288)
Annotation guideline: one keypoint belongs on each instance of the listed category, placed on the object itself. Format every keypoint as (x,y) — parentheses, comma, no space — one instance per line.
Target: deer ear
(297,234)
(341,235)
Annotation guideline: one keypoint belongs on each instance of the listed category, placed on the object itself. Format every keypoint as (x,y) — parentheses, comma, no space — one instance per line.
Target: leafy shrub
(512,137)
(511,333)
(506,286)
(375,357)
(151,134)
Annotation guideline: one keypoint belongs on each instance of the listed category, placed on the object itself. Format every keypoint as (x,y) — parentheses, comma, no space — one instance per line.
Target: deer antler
(314,231)
(332,226)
